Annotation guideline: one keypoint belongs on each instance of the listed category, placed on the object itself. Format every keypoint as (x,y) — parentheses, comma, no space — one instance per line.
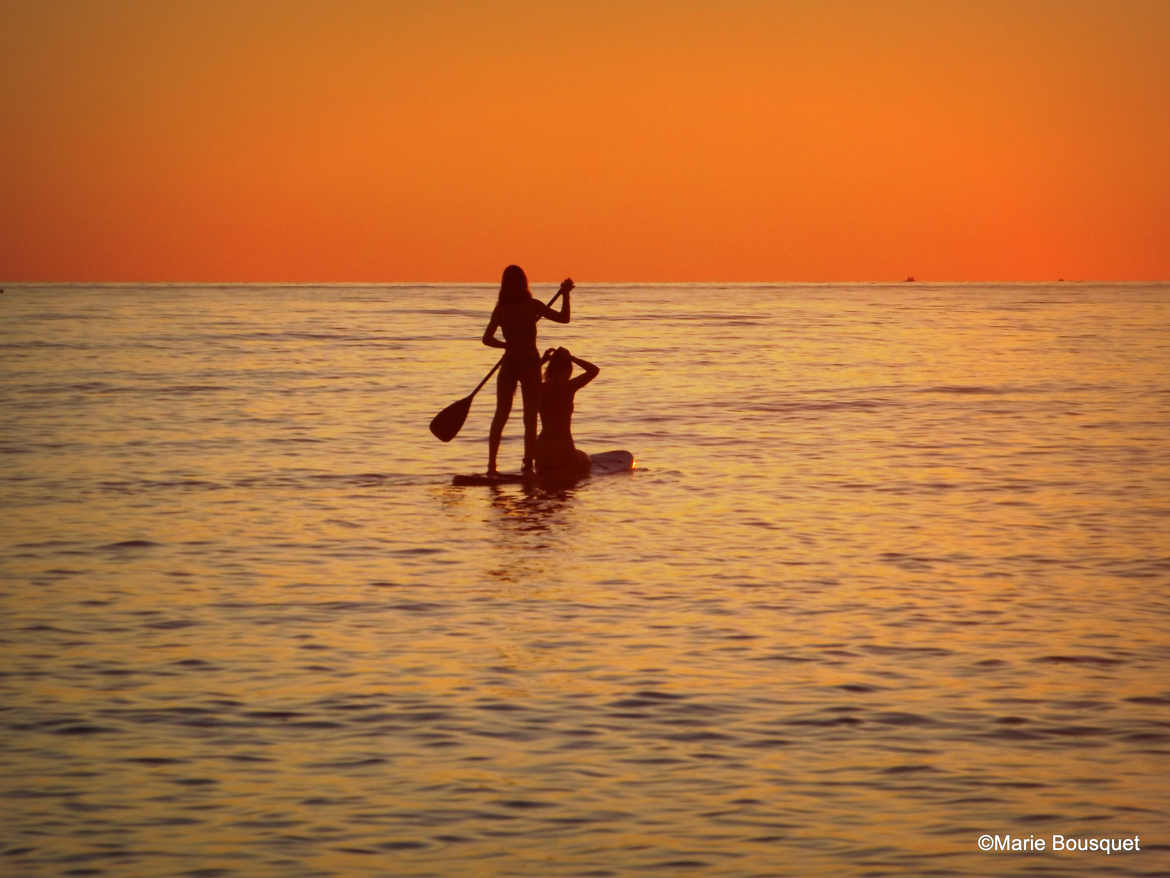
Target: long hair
(560,364)
(514,286)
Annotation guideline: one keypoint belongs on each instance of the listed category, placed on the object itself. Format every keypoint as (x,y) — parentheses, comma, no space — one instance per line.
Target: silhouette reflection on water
(535,531)
(531,509)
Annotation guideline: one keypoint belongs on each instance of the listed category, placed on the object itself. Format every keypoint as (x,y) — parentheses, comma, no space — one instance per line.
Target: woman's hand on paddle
(563,315)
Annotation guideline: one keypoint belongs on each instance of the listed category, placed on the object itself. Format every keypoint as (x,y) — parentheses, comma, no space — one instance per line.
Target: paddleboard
(603,464)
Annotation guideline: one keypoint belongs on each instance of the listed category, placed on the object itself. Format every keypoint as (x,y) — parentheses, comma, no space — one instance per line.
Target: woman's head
(560,364)
(514,285)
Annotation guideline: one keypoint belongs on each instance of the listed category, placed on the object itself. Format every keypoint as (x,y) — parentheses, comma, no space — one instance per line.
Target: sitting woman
(557,458)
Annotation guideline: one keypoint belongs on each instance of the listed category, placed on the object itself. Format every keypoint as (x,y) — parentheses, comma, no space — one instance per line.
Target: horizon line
(909,281)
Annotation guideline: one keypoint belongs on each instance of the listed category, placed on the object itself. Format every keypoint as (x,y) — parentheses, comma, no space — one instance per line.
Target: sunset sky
(804,140)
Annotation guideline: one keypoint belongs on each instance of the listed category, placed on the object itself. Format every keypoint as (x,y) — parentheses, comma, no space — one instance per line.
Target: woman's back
(518,322)
(556,409)
(557,455)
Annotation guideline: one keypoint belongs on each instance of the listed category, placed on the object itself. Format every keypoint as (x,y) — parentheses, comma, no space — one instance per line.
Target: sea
(888,592)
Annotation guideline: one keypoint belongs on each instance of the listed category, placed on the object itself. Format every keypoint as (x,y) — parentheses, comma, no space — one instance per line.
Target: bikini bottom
(560,457)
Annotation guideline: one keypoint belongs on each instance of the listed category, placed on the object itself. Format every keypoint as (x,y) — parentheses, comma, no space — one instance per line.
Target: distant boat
(909,279)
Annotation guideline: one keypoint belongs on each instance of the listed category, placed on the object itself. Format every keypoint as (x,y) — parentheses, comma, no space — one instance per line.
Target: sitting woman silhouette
(557,458)
(516,313)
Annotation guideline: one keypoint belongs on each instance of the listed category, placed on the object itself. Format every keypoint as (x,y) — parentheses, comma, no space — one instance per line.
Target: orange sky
(375,140)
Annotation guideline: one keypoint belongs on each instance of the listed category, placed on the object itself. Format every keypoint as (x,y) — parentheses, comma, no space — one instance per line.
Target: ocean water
(893,572)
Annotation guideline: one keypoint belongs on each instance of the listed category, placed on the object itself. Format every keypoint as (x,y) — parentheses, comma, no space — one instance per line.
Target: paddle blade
(447,423)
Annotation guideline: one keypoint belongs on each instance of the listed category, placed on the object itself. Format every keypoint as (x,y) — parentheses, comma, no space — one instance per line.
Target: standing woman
(516,313)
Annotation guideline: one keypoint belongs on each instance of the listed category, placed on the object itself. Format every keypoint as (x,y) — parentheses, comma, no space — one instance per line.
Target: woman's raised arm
(589,372)
(564,314)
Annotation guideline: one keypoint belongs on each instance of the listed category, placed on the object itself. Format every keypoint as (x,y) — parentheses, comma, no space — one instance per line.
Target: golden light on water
(889,566)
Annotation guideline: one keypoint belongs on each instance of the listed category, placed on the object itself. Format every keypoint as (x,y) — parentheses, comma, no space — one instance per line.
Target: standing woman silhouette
(516,313)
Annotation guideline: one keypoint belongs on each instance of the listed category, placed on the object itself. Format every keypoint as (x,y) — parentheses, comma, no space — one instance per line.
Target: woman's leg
(505,390)
(530,394)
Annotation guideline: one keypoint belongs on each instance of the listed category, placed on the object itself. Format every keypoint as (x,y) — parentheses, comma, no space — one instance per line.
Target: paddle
(447,423)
